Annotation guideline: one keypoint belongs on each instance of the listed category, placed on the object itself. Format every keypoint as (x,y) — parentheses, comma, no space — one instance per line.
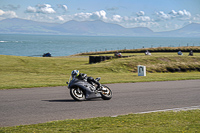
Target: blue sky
(158,15)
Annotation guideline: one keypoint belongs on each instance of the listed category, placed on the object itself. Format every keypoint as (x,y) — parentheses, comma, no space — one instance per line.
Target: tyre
(106,93)
(77,94)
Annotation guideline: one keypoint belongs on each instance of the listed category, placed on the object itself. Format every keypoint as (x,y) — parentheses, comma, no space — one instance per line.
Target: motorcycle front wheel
(106,93)
(77,94)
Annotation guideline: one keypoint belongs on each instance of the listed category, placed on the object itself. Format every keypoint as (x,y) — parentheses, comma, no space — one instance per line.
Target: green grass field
(158,122)
(27,72)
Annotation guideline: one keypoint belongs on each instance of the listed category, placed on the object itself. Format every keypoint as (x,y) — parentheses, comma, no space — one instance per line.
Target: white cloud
(143,19)
(159,21)
(184,15)
(10,14)
(187,13)
(196,17)
(65,7)
(61,18)
(31,9)
(98,15)
(7,14)
(181,15)
(117,18)
(162,16)
(140,18)
(140,13)
(82,16)
(1,12)
(173,12)
(45,8)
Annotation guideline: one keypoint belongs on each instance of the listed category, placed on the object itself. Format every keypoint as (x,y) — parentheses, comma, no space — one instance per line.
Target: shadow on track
(61,100)
(71,100)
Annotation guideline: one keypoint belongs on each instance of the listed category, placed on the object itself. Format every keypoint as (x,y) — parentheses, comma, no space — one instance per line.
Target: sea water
(63,45)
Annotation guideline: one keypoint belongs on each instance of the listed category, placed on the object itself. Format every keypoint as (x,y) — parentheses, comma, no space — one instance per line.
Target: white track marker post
(141,70)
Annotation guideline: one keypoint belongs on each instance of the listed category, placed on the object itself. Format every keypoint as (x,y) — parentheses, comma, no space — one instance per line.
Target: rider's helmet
(75,73)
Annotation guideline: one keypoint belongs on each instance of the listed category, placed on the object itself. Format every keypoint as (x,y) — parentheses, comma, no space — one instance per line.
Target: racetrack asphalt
(39,105)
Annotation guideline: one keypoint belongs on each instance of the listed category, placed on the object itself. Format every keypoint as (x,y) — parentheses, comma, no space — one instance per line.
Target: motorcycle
(81,90)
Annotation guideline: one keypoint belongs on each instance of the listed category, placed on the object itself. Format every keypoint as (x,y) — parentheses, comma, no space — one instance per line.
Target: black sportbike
(81,90)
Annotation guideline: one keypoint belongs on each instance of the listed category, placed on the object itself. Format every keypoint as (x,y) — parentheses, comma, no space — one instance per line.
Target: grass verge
(165,122)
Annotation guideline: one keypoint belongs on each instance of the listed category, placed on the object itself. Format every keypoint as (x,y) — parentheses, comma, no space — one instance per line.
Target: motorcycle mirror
(67,83)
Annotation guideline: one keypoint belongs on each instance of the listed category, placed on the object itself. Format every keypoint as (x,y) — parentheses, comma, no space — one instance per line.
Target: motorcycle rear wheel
(77,94)
(106,93)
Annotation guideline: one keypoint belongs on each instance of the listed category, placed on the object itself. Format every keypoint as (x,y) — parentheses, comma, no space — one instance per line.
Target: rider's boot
(99,88)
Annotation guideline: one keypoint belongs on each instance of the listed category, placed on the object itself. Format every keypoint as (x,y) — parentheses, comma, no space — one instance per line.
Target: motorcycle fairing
(90,90)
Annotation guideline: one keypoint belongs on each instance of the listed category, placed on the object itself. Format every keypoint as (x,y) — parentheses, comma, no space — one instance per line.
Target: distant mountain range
(90,28)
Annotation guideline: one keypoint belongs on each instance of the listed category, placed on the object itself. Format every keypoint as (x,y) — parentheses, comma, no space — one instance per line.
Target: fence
(96,59)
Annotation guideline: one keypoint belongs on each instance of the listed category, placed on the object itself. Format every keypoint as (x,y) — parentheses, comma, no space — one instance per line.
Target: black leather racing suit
(91,80)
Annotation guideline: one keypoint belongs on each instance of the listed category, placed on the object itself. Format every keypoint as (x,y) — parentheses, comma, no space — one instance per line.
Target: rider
(81,76)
